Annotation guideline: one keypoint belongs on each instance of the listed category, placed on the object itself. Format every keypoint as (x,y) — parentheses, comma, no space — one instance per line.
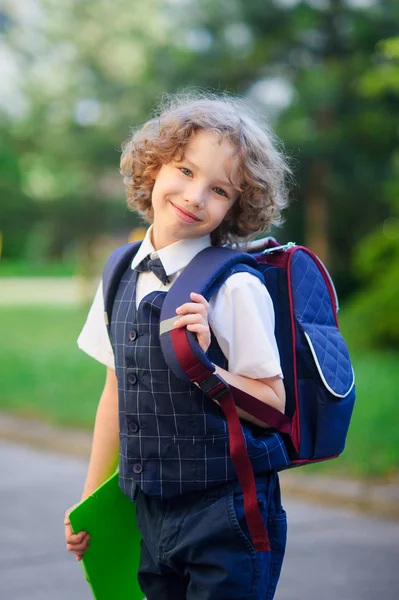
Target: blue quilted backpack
(318,374)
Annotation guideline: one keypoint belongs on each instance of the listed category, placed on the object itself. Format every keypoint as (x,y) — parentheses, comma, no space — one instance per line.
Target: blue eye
(186,171)
(220,192)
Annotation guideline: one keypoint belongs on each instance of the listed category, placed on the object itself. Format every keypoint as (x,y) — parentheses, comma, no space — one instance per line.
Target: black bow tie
(154,265)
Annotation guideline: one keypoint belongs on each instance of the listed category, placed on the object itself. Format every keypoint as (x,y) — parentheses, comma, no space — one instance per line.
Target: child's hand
(75,543)
(194,316)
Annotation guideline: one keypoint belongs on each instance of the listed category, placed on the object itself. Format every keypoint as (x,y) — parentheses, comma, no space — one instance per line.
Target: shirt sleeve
(93,338)
(241,317)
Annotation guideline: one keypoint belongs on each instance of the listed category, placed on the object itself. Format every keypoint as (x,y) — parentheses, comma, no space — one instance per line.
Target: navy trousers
(197,546)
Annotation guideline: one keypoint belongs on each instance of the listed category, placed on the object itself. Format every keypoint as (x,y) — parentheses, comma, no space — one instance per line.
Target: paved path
(332,554)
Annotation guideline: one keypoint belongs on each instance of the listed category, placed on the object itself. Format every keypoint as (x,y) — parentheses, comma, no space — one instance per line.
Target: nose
(195,194)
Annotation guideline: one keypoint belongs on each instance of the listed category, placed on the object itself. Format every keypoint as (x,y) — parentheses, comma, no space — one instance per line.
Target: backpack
(318,375)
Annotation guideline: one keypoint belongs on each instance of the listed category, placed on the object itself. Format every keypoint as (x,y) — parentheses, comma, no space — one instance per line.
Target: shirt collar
(174,257)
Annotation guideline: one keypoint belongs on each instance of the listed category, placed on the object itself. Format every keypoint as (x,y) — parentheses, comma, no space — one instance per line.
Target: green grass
(372,447)
(21,268)
(44,374)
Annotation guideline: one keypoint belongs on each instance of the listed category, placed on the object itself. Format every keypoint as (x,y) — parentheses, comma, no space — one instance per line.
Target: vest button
(133,427)
(137,468)
(132,335)
(132,378)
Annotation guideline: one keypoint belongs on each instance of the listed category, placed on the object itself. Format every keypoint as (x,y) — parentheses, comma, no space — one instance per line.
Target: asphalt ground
(333,552)
(377,497)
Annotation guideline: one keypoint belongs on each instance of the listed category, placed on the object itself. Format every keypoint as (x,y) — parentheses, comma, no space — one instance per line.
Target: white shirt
(241,313)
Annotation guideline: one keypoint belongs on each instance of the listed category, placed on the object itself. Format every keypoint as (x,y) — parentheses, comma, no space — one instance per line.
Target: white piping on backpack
(322,374)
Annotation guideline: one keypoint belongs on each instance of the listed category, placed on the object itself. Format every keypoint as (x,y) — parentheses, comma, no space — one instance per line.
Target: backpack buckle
(214,386)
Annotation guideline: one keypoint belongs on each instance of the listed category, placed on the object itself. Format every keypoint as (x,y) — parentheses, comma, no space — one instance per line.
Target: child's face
(190,198)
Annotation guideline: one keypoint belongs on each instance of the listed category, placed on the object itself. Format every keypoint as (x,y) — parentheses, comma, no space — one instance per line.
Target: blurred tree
(89,70)
(300,63)
(17,209)
(80,84)
(377,256)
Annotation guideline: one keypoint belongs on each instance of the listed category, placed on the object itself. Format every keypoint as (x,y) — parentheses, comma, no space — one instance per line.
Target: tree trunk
(316,210)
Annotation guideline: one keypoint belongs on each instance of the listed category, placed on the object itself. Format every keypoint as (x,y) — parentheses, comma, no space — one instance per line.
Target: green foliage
(372,447)
(44,374)
(88,71)
(384,77)
(373,312)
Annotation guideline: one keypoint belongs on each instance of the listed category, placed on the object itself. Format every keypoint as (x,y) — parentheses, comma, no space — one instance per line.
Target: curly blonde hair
(260,172)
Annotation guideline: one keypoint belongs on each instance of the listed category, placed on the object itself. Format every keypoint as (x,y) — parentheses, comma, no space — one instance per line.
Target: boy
(205,172)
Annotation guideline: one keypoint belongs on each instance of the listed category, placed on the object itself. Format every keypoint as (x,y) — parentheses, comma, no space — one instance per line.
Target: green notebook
(111,563)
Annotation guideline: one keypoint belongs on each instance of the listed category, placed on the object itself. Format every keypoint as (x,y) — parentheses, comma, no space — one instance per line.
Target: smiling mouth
(184,215)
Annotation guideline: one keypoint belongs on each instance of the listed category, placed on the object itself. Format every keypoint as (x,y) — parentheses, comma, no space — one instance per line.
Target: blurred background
(76,76)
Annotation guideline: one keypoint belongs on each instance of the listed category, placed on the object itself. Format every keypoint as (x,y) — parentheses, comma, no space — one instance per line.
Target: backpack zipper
(283,248)
(290,245)
(331,281)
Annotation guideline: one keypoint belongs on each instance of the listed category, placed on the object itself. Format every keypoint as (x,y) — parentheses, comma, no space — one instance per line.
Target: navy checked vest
(173,438)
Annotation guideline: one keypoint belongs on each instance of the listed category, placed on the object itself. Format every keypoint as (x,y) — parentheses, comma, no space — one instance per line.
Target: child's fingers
(76,543)
(75,538)
(191,320)
(198,298)
(78,548)
(198,303)
(194,316)
(203,335)
(67,512)
(192,308)
(73,550)
(199,328)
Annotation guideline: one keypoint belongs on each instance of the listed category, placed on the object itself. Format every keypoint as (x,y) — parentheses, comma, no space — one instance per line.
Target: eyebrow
(225,182)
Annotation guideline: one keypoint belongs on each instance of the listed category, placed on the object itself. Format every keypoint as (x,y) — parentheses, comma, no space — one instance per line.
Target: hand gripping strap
(200,275)
(204,376)
(180,347)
